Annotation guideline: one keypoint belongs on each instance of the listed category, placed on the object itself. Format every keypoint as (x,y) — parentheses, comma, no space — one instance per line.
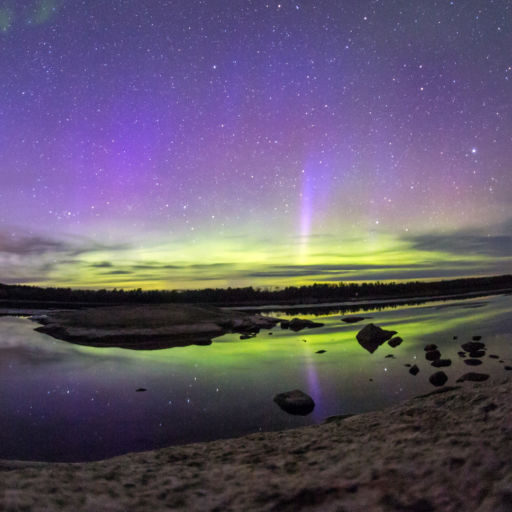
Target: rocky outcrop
(473,377)
(414,370)
(371,337)
(395,341)
(438,379)
(353,319)
(295,402)
(438,363)
(472,346)
(150,327)
(297,324)
(432,355)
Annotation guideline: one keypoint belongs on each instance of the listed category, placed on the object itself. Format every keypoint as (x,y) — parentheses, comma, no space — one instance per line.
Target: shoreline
(30,308)
(27,307)
(444,451)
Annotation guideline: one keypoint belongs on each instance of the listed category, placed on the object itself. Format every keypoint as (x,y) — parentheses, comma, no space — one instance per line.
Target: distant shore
(348,293)
(446,451)
(31,307)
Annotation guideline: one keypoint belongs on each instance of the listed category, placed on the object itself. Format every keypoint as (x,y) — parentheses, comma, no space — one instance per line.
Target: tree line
(314,293)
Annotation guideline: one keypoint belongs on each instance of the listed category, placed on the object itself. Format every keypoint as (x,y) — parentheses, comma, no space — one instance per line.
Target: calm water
(65,402)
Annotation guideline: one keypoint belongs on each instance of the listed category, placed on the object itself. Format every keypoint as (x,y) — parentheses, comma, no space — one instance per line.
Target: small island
(149,327)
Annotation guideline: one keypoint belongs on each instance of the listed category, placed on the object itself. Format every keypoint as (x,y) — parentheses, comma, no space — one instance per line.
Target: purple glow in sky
(175,144)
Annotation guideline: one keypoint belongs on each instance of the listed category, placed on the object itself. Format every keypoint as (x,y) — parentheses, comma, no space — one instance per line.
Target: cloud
(101,264)
(27,245)
(464,244)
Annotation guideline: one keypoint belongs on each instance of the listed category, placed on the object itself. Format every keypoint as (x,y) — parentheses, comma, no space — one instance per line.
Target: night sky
(176,144)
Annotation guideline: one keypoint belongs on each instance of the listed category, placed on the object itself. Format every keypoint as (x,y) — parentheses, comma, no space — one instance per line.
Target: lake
(65,402)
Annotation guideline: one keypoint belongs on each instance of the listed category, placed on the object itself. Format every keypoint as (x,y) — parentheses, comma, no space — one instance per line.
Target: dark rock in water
(390,356)
(455,337)
(353,319)
(270,333)
(501,361)
(472,346)
(477,353)
(372,336)
(297,324)
(414,370)
(433,355)
(462,354)
(295,402)
(438,379)
(395,341)
(407,365)
(476,338)
(508,368)
(472,362)
(140,390)
(474,377)
(285,324)
(430,348)
(494,356)
(247,336)
(320,351)
(442,362)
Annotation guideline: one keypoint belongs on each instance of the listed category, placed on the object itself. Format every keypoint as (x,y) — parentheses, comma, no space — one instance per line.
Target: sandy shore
(447,451)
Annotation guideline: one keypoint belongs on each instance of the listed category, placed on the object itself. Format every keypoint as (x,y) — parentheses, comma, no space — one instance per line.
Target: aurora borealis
(185,144)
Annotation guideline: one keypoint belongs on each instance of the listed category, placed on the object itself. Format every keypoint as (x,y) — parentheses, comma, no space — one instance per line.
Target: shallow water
(65,402)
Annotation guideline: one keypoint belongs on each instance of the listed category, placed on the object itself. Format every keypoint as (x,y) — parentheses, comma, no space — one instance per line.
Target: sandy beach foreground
(446,451)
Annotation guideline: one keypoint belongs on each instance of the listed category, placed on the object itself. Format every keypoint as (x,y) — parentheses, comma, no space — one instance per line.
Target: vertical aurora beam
(306,212)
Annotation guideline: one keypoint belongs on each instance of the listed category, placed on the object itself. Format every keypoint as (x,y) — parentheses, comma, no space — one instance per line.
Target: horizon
(188,145)
(270,289)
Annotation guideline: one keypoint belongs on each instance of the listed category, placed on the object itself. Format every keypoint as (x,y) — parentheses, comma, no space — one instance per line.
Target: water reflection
(62,401)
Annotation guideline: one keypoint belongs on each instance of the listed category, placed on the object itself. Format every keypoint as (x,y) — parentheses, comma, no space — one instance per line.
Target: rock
(414,370)
(320,351)
(472,346)
(476,338)
(140,390)
(474,377)
(438,379)
(337,417)
(295,402)
(477,353)
(353,319)
(270,333)
(395,341)
(247,336)
(430,348)
(433,355)
(508,368)
(297,324)
(285,324)
(372,336)
(442,362)
(462,354)
(494,356)
(390,356)
(472,362)
(407,365)
(455,337)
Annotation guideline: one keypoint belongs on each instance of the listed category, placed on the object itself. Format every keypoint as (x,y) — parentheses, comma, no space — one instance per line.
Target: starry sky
(190,143)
